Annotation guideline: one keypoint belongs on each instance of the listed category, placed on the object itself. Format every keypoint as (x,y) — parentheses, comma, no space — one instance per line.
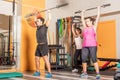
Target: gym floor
(66,75)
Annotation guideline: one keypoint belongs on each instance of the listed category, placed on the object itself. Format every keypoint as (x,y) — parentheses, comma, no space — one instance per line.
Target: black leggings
(76,55)
(92,51)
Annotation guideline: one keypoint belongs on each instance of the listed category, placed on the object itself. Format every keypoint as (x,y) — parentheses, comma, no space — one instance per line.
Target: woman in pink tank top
(89,43)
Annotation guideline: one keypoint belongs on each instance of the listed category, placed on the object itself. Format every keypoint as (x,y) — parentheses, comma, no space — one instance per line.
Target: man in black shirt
(42,47)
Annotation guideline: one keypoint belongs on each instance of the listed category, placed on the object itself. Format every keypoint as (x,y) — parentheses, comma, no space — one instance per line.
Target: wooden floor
(60,75)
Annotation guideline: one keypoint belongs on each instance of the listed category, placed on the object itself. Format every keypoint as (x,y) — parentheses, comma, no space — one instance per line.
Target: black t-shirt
(41,34)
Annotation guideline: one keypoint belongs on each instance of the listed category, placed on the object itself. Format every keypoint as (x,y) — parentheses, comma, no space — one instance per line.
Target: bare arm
(49,18)
(81,35)
(82,19)
(73,30)
(97,18)
(35,11)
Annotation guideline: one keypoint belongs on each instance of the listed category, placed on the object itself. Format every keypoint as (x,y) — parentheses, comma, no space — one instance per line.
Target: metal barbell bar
(104,5)
(58,6)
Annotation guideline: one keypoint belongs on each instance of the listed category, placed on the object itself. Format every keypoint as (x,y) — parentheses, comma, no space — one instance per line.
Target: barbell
(58,6)
(103,6)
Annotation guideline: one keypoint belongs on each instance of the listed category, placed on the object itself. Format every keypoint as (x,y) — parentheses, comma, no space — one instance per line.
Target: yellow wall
(28,42)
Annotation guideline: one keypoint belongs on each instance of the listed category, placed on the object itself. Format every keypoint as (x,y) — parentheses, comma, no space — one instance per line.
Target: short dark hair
(91,19)
(80,30)
(42,19)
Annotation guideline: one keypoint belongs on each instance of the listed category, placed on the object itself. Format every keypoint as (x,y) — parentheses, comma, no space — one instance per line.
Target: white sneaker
(75,70)
(84,75)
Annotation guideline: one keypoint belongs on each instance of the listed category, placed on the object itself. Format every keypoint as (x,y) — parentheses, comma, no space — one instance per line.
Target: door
(106,37)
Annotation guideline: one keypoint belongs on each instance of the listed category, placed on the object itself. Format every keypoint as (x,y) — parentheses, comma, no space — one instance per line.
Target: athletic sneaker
(75,70)
(36,73)
(48,75)
(84,75)
(98,76)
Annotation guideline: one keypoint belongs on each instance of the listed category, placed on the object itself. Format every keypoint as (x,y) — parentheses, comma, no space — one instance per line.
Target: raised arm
(97,18)
(49,18)
(35,11)
(83,18)
(73,30)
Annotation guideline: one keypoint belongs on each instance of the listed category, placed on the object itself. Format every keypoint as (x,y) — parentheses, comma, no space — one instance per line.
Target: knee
(84,60)
(37,59)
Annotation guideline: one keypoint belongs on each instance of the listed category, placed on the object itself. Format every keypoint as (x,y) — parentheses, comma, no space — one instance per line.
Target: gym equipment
(2,47)
(77,21)
(68,25)
(64,38)
(117,73)
(108,61)
(58,6)
(91,68)
(69,59)
(106,65)
(9,42)
(60,27)
(57,63)
(118,65)
(6,59)
(63,60)
(10,75)
(103,6)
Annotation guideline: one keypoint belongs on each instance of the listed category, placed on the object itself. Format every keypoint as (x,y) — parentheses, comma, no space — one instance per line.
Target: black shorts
(41,50)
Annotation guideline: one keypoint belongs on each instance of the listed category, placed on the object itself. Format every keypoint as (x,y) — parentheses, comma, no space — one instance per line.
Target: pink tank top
(89,37)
